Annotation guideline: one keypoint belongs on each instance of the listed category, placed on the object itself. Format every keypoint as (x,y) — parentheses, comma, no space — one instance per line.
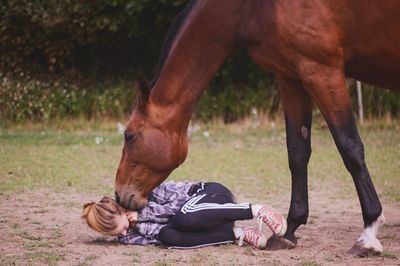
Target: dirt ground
(43,227)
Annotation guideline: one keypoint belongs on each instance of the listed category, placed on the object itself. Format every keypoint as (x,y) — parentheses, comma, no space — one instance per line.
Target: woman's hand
(132,218)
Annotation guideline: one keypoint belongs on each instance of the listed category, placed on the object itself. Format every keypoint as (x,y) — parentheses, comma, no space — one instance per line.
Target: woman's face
(122,225)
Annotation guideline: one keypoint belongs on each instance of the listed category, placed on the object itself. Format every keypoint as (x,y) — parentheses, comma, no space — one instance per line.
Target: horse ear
(143,91)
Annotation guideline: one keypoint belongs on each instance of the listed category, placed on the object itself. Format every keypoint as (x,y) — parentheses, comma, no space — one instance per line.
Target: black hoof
(360,251)
(275,243)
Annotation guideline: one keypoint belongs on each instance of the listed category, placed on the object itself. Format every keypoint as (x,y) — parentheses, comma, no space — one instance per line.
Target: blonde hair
(101,216)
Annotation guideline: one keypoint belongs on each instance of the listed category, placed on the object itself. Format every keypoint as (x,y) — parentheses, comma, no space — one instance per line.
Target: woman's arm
(169,191)
(149,230)
(134,238)
(164,201)
(157,213)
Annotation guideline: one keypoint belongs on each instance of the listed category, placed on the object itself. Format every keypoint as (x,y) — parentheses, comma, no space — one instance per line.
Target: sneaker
(253,237)
(273,219)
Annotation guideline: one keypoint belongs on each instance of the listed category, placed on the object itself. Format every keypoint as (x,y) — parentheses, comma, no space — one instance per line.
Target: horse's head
(151,152)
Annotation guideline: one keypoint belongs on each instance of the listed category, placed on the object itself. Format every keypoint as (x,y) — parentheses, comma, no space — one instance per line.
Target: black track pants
(207,218)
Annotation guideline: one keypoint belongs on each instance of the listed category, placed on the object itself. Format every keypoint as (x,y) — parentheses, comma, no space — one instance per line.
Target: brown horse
(311,45)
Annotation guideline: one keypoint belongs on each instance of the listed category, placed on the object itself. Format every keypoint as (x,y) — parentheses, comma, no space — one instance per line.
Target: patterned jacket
(163,202)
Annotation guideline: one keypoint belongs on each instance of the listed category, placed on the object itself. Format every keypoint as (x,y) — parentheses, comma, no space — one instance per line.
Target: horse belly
(372,41)
(382,71)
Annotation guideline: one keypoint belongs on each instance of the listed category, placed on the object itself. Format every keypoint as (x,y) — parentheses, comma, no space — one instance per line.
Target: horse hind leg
(367,243)
(327,86)
(298,112)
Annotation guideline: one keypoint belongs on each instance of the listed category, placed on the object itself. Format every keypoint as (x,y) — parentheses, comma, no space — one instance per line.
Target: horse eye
(129,136)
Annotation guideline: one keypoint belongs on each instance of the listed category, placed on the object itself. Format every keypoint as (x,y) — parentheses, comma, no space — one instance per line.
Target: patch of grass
(330,258)
(61,138)
(30,160)
(40,211)
(391,225)
(135,257)
(225,246)
(43,243)
(46,258)
(198,258)
(58,243)
(56,233)
(249,251)
(58,160)
(29,236)
(88,260)
(389,237)
(14,225)
(388,255)
(309,263)
(13,260)
(162,262)
(32,245)
(274,263)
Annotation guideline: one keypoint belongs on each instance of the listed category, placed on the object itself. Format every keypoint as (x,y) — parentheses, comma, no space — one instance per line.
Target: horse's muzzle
(131,201)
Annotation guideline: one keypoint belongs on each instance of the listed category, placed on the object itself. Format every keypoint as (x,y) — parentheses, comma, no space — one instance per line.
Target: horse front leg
(298,113)
(328,88)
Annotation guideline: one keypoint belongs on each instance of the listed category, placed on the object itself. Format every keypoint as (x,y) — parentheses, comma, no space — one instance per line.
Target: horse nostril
(131,197)
(117,198)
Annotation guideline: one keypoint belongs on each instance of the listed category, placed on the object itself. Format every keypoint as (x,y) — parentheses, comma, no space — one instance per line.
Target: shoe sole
(282,232)
(263,244)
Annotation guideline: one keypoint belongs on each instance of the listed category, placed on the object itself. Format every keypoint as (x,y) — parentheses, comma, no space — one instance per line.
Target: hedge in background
(104,35)
(36,100)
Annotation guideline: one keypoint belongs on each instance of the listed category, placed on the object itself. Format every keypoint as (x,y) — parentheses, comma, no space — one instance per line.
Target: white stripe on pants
(192,206)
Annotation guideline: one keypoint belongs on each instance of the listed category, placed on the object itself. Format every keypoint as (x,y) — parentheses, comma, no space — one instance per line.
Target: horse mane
(168,41)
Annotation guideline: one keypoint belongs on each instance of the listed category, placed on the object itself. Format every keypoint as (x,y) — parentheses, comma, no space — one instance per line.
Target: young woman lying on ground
(184,215)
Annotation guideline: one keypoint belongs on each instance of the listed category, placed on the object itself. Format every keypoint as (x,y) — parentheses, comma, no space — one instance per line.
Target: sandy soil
(43,227)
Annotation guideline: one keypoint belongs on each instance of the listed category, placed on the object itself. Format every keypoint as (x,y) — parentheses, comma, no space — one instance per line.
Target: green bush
(36,100)
(92,36)
(237,88)
(377,102)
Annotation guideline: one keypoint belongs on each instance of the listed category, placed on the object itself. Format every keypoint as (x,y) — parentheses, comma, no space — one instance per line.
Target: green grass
(47,258)
(32,160)
(33,258)
(37,244)
(254,158)
(135,257)
(388,255)
(88,260)
(199,259)
(309,263)
(162,262)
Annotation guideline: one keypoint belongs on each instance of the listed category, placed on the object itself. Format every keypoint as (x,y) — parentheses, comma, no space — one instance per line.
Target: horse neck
(205,39)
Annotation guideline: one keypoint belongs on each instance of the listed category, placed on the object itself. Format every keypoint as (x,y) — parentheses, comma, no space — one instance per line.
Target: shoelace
(263,218)
(251,237)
